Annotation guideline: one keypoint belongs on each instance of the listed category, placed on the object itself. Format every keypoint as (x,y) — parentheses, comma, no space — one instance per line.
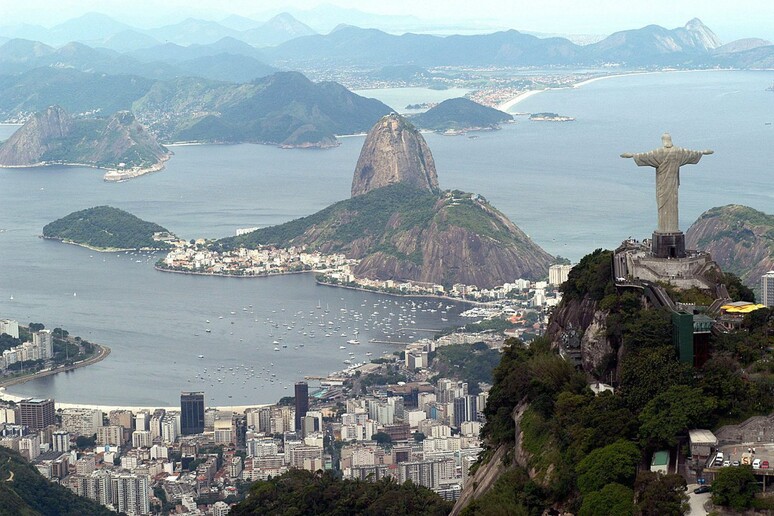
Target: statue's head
(666,139)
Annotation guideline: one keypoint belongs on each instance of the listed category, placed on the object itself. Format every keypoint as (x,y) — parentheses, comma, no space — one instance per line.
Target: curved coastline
(102,353)
(394,294)
(100,249)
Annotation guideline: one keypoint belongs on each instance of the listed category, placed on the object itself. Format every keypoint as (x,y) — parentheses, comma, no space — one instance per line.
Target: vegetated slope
(302,492)
(740,239)
(402,233)
(567,449)
(105,227)
(25,492)
(53,136)
(284,108)
(460,113)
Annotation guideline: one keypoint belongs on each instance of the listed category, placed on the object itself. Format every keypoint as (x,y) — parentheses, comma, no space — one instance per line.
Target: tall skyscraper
(191,413)
(37,414)
(302,403)
(767,289)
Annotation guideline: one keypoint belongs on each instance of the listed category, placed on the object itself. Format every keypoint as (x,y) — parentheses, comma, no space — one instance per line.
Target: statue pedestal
(668,245)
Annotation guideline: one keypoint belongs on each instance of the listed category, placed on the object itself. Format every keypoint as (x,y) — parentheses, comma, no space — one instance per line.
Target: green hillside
(302,492)
(25,492)
(104,227)
(459,114)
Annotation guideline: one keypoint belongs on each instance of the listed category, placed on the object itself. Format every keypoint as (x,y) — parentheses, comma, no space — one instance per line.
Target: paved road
(697,501)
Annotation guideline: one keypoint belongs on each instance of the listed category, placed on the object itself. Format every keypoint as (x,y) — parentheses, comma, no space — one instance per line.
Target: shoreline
(221,275)
(508,104)
(102,353)
(393,294)
(9,396)
(111,174)
(99,249)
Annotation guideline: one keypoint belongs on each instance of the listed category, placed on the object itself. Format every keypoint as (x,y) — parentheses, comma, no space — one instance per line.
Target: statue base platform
(668,245)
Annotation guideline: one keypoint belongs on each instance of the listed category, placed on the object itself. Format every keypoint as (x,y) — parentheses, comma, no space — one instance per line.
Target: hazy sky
(730,20)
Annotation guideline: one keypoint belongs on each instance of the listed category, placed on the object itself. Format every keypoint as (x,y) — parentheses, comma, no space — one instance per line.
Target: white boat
(353,341)
(201,356)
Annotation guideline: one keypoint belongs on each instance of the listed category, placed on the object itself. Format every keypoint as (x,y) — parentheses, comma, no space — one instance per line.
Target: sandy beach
(505,106)
(107,408)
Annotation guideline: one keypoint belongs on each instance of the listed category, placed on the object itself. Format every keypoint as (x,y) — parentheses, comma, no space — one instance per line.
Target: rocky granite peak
(394,152)
(54,137)
(26,146)
(739,238)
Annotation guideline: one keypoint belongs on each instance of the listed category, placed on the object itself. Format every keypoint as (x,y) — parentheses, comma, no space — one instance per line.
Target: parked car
(726,463)
(765,464)
(757,463)
(702,489)
(735,463)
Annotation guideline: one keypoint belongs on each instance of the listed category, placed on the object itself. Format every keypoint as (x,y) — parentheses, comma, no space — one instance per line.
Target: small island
(104,228)
(550,117)
(455,116)
(118,144)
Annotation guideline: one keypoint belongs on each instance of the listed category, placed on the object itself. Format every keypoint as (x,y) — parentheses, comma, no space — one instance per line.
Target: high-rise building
(9,327)
(557,274)
(192,413)
(302,403)
(37,414)
(44,340)
(130,494)
(60,441)
(767,289)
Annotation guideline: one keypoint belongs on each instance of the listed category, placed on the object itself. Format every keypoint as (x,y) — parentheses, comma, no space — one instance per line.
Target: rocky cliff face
(455,248)
(33,140)
(585,317)
(740,240)
(53,136)
(394,152)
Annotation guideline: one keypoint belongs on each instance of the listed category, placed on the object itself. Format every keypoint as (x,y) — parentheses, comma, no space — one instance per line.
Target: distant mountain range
(691,45)
(288,43)
(99,30)
(211,50)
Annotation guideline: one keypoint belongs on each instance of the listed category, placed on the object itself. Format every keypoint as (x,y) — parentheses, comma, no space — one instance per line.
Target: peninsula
(104,228)
(401,227)
(118,144)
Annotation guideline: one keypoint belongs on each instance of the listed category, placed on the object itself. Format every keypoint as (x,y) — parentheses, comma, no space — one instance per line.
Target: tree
(672,412)
(612,500)
(615,462)
(645,373)
(658,495)
(735,488)
(83,442)
(382,439)
(36,326)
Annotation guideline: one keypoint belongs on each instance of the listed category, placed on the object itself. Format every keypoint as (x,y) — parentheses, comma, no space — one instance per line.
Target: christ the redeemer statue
(667,161)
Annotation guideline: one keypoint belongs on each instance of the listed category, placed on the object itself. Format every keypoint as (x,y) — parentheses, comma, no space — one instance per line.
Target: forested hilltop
(25,492)
(322,494)
(106,228)
(580,452)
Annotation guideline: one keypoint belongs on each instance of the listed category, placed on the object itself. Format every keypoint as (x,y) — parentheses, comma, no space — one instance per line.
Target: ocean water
(563,183)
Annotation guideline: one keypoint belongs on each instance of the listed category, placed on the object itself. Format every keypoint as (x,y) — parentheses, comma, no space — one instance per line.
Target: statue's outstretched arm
(707,152)
(627,155)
